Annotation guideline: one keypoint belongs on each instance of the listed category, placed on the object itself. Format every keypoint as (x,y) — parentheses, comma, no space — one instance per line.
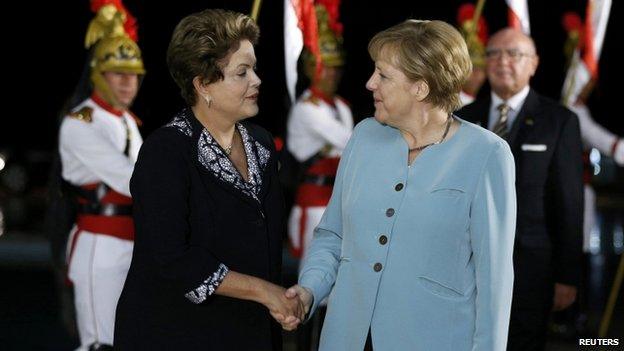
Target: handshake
(288,306)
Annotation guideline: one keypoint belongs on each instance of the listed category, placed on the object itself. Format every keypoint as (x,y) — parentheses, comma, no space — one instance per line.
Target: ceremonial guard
(594,135)
(98,144)
(474,29)
(319,126)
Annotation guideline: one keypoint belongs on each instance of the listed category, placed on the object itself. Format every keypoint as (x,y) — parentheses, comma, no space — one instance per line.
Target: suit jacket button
(377,267)
(383,240)
(398,187)
(390,212)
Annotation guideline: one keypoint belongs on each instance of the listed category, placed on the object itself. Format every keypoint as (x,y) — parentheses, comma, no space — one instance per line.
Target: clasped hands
(288,306)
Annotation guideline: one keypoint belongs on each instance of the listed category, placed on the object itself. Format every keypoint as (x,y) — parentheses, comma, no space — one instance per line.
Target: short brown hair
(433,51)
(200,42)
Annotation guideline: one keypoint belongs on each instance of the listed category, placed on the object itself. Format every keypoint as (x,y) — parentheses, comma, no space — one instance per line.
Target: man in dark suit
(545,140)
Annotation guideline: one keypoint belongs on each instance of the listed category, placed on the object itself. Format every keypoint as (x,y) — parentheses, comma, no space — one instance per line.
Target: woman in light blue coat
(416,243)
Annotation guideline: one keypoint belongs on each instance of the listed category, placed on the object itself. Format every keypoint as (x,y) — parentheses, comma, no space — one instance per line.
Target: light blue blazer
(426,264)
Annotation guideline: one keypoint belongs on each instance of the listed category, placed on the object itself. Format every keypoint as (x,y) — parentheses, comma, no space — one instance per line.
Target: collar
(214,160)
(105,105)
(321,95)
(515,102)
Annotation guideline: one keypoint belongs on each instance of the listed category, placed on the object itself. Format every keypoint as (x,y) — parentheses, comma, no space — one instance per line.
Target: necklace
(449,119)
(228,149)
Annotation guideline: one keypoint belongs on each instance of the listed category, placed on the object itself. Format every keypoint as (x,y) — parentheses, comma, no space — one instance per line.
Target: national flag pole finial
(255,9)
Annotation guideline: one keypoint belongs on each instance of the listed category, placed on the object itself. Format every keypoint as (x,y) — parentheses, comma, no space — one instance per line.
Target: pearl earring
(208,100)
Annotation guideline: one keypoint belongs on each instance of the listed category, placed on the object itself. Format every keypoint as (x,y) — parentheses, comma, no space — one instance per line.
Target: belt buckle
(320,180)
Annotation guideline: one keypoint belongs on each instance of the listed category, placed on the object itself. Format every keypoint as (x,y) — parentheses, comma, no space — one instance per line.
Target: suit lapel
(524,119)
(482,108)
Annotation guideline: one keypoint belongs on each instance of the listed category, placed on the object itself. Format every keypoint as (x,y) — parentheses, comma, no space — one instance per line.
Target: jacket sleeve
(97,153)
(321,263)
(566,190)
(160,189)
(492,232)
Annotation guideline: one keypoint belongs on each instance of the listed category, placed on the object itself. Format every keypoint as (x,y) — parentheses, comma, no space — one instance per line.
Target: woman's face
(236,95)
(391,92)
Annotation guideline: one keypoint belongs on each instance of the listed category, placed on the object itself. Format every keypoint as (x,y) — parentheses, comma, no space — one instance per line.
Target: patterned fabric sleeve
(208,286)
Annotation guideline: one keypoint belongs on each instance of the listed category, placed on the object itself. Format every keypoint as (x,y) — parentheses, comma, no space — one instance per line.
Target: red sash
(313,195)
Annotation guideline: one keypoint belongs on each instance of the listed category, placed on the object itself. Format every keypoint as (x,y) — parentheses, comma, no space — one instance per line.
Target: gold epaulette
(312,99)
(327,148)
(84,114)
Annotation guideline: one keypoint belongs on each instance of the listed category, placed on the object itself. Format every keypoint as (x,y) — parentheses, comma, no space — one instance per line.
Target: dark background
(46,56)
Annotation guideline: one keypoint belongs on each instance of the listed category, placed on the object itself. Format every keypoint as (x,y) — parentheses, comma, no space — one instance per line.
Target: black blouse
(196,218)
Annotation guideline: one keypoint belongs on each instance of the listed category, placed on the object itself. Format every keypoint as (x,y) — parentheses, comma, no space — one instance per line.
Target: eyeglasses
(513,54)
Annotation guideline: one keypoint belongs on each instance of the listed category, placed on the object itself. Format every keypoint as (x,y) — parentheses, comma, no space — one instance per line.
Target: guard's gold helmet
(329,42)
(112,48)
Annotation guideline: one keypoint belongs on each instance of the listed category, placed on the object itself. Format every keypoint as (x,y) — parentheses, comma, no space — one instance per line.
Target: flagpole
(575,62)
(477,13)
(606,318)
(255,9)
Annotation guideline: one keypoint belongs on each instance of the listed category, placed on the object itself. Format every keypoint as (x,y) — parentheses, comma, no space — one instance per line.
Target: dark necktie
(500,128)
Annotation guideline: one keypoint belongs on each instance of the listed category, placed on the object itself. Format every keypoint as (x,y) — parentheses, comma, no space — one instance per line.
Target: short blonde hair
(432,51)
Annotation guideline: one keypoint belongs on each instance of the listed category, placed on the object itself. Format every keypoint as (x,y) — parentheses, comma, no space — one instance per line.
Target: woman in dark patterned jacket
(208,207)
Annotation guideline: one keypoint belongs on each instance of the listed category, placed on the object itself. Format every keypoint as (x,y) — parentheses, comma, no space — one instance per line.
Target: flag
(300,29)
(518,15)
(584,64)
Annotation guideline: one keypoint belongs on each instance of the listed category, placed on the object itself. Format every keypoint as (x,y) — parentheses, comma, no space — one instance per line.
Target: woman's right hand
(288,312)
(305,297)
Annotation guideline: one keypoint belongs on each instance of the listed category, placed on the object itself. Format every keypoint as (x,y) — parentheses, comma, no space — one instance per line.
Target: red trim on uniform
(588,169)
(295,252)
(324,166)
(344,101)
(614,146)
(317,195)
(138,121)
(90,186)
(72,247)
(298,252)
(121,227)
(105,105)
(316,92)
(309,195)
(312,195)
(111,197)
(279,143)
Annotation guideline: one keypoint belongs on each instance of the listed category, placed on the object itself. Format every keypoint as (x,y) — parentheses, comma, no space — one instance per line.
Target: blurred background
(45,56)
